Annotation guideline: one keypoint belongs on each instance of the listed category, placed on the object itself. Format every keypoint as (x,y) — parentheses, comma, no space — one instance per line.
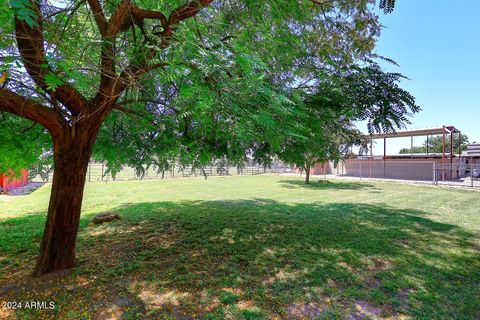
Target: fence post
(103,167)
(434,173)
(471,175)
(360,169)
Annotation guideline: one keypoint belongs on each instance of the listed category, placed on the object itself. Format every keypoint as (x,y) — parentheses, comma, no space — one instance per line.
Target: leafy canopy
(228,82)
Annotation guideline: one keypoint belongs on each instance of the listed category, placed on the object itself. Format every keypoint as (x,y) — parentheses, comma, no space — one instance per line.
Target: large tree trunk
(57,250)
(307,173)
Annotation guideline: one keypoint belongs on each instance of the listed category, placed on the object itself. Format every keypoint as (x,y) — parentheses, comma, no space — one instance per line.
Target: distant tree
(327,126)
(324,134)
(434,145)
(414,150)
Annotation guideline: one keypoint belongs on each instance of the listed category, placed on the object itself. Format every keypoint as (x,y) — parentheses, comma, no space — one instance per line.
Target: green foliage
(387,5)
(22,143)
(6,27)
(232,83)
(23,10)
(52,81)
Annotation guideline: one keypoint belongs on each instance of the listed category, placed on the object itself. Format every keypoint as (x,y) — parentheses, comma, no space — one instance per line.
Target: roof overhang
(473,150)
(413,133)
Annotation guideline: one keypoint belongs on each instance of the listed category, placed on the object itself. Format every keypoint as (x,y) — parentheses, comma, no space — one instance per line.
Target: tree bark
(307,173)
(57,249)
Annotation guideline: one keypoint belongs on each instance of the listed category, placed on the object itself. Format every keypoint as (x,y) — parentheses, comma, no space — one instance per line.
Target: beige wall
(408,169)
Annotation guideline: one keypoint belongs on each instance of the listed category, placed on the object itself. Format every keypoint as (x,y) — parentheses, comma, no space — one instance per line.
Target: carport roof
(413,133)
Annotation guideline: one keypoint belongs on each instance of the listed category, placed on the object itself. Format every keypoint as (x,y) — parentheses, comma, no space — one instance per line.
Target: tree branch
(27,108)
(169,27)
(70,8)
(184,12)
(99,16)
(31,46)
(126,15)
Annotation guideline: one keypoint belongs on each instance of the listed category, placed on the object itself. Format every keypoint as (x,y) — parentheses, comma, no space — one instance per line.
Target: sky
(437,45)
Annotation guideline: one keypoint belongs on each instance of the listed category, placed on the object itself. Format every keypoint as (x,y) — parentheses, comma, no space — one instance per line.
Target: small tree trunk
(57,249)
(307,173)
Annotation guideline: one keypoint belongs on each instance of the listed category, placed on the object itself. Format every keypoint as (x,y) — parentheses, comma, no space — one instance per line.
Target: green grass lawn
(253,247)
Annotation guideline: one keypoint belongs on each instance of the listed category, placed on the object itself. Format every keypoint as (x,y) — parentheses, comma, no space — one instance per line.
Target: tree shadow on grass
(262,258)
(325,184)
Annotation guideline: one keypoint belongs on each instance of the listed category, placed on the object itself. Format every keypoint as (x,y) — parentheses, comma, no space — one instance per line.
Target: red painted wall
(8,183)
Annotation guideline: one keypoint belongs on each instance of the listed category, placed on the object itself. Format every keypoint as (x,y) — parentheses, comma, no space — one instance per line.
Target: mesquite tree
(72,119)
(156,80)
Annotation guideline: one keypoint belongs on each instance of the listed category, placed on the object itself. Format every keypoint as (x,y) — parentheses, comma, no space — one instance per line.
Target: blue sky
(437,45)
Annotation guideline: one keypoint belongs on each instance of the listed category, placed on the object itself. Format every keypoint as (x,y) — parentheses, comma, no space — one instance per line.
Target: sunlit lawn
(253,247)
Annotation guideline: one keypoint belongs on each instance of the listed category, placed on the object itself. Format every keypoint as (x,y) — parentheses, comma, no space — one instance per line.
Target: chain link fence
(424,171)
(427,171)
(97,172)
(466,175)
